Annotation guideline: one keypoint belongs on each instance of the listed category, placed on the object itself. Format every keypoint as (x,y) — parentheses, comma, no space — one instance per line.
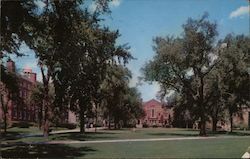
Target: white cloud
(134,81)
(40,4)
(92,7)
(112,4)
(243,10)
(39,77)
(115,3)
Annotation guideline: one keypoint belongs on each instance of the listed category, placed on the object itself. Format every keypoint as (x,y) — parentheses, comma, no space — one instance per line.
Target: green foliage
(66,125)
(16,19)
(182,64)
(22,124)
(207,78)
(120,102)
(9,91)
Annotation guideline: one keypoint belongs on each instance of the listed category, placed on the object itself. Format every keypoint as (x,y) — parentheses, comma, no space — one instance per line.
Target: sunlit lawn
(217,148)
(207,148)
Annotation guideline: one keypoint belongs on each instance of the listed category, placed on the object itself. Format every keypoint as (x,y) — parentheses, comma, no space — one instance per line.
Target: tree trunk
(82,124)
(40,118)
(96,117)
(201,104)
(214,126)
(46,128)
(46,104)
(203,127)
(82,120)
(5,112)
(109,125)
(231,122)
(47,111)
(5,122)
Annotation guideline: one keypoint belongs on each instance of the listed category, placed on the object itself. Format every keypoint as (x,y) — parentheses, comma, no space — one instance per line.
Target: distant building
(25,111)
(157,114)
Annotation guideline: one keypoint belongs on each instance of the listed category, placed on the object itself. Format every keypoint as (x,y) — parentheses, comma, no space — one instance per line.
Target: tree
(9,90)
(183,63)
(234,74)
(66,29)
(121,103)
(62,28)
(37,97)
(16,18)
(132,107)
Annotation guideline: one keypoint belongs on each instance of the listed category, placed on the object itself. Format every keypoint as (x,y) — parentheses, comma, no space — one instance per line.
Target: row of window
(26,115)
(154,114)
(25,85)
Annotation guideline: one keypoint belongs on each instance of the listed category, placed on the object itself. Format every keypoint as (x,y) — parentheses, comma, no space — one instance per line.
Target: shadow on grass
(234,133)
(22,150)
(209,133)
(173,134)
(11,135)
(82,137)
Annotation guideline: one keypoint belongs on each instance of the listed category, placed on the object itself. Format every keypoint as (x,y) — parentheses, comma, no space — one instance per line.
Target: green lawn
(15,134)
(208,148)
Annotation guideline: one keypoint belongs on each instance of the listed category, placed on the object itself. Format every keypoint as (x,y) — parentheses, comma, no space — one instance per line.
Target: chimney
(11,66)
(29,74)
(33,77)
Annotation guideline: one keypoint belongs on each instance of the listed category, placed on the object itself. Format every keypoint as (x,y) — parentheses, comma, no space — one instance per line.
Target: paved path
(127,140)
(121,140)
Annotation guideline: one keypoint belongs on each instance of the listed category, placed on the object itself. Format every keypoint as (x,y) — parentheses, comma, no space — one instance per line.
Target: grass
(208,148)
(34,134)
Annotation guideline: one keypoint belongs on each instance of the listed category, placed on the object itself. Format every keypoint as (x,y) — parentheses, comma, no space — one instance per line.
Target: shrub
(97,125)
(22,124)
(67,125)
(130,126)
(155,126)
(145,125)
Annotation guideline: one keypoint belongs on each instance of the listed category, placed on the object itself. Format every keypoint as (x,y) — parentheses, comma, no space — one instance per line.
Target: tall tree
(234,74)
(183,63)
(16,19)
(120,102)
(60,28)
(9,93)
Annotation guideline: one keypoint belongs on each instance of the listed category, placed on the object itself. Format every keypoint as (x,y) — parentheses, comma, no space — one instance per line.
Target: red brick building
(26,81)
(157,113)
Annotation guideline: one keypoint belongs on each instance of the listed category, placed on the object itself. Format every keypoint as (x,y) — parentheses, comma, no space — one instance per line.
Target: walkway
(128,140)
(121,140)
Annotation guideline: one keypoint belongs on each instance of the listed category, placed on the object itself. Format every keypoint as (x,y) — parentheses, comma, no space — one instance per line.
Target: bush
(97,125)
(22,124)
(155,126)
(145,125)
(67,125)
(130,126)
(167,126)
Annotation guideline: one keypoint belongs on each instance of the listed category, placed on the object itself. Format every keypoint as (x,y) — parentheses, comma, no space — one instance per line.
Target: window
(20,93)
(153,112)
(20,115)
(14,111)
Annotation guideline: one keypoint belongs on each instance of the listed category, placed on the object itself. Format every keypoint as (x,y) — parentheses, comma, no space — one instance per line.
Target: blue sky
(140,20)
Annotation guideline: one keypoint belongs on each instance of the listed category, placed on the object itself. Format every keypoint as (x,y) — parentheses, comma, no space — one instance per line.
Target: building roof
(152,101)
(156,102)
